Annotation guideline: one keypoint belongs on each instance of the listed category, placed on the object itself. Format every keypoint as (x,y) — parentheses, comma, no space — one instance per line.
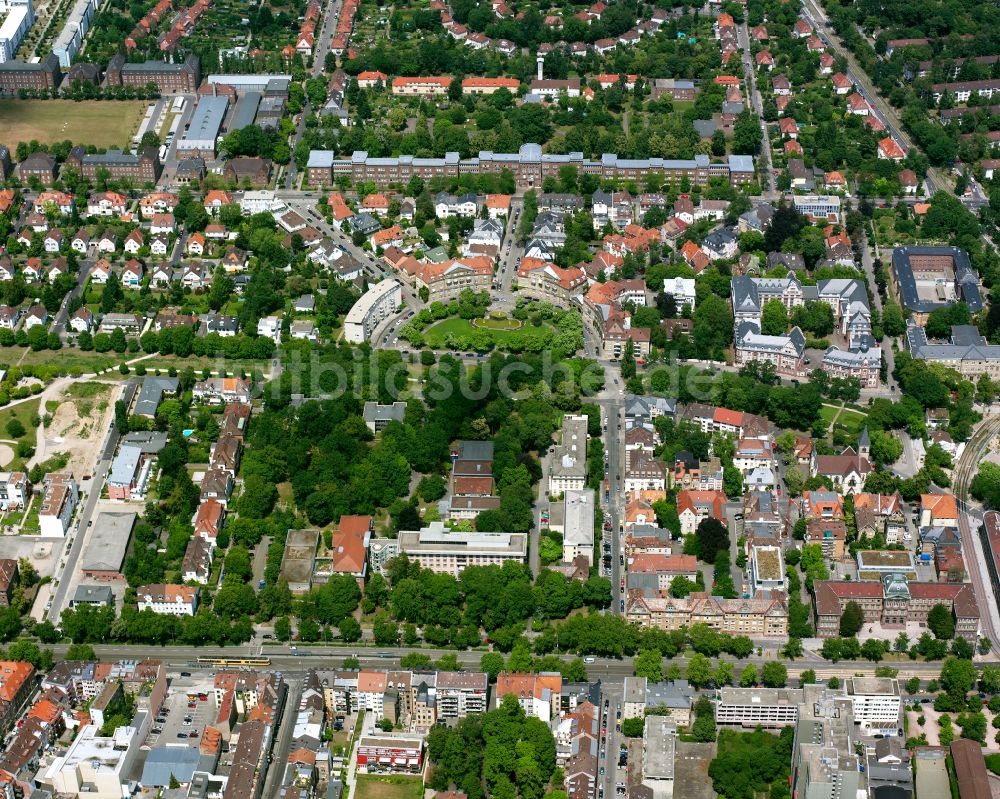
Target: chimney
(540,61)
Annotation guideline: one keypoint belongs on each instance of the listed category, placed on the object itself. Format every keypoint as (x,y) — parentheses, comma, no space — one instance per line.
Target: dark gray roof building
(151,393)
(934,277)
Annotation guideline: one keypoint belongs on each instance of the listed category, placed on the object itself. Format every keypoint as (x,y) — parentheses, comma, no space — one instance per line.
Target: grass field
(101,123)
(851,421)
(435,334)
(372,786)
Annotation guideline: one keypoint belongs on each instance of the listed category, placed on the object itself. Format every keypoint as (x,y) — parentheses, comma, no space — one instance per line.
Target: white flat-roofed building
(77,24)
(58,504)
(16,18)
(14,490)
(767,569)
(95,766)
(875,699)
(260,201)
(375,305)
(818,206)
(578,525)
(658,751)
(682,290)
(436,548)
(753,707)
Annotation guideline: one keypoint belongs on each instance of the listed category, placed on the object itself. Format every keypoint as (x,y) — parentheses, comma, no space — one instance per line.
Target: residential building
(529,166)
(168,599)
(761,617)
(538,694)
(377,303)
(568,464)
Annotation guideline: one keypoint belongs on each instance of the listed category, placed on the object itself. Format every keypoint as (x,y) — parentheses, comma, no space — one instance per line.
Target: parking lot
(173,728)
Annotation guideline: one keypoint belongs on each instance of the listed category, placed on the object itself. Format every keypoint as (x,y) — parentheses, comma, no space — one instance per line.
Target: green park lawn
(373,786)
(435,335)
(852,421)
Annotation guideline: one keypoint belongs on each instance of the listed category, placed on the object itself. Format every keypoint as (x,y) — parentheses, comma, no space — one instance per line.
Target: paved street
(766,160)
(69,576)
(297,663)
(283,740)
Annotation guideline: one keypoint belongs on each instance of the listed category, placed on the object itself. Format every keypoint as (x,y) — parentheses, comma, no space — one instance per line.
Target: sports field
(103,123)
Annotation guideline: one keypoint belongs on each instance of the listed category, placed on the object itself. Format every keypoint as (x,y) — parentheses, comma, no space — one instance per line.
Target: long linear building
(67,45)
(15,75)
(446,552)
(182,77)
(375,305)
(16,18)
(528,165)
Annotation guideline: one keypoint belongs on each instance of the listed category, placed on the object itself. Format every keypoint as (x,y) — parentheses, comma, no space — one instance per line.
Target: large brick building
(144,166)
(14,75)
(169,78)
(895,601)
(528,165)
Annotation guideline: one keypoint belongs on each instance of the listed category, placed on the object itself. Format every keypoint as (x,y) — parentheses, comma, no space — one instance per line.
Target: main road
(817,17)
(296,663)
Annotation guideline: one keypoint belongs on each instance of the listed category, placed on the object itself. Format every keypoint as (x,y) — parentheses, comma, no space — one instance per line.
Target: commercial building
(206,124)
(375,305)
(824,760)
(753,707)
(109,543)
(876,700)
(272,85)
(178,78)
(94,765)
(970,769)
(819,207)
(767,569)
(659,744)
(440,550)
(530,167)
